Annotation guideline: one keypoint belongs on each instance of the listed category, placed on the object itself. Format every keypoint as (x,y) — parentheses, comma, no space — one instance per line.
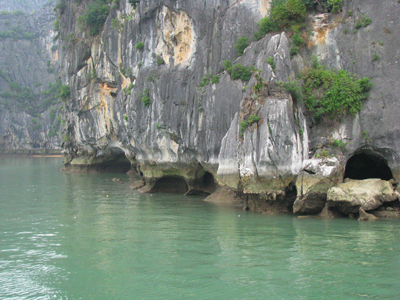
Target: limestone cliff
(29,87)
(143,95)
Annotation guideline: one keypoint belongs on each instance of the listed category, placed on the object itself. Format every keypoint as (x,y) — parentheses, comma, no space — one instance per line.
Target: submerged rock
(364,216)
(225,195)
(367,194)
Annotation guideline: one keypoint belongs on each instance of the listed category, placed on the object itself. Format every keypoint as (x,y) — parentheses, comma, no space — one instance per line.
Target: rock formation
(149,91)
(29,89)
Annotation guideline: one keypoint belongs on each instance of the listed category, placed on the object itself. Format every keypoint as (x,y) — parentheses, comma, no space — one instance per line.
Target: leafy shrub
(367,21)
(237,71)
(297,39)
(205,80)
(215,79)
(338,143)
(243,125)
(146,97)
(227,66)
(246,123)
(95,16)
(134,3)
(271,62)
(329,93)
(294,88)
(376,57)
(359,24)
(56,25)
(61,6)
(297,42)
(158,59)
(65,92)
(294,50)
(139,46)
(241,44)
(240,72)
(253,118)
(283,14)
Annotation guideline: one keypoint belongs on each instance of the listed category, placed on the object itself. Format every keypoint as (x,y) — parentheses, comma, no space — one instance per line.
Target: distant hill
(24,5)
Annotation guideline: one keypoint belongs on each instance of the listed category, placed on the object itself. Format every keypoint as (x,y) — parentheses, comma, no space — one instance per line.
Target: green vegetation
(117,24)
(139,46)
(366,137)
(23,98)
(334,94)
(95,16)
(364,22)
(359,24)
(376,57)
(297,42)
(56,25)
(339,144)
(246,123)
(17,33)
(205,80)
(158,59)
(134,3)
(215,79)
(237,71)
(290,15)
(294,88)
(367,21)
(61,6)
(271,62)
(160,126)
(151,78)
(241,44)
(65,92)
(146,97)
(283,15)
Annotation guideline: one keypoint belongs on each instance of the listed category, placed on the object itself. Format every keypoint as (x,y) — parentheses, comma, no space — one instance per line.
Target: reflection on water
(83,236)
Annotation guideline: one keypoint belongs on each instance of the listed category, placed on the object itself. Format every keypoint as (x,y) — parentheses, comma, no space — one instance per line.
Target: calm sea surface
(83,236)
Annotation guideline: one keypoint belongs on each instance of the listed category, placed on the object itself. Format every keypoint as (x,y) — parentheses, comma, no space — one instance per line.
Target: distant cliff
(29,87)
(23,5)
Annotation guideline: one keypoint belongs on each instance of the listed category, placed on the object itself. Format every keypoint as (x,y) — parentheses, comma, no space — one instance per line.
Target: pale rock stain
(175,36)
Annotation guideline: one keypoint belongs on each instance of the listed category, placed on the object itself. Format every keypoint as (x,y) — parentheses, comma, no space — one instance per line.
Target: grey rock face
(149,104)
(29,96)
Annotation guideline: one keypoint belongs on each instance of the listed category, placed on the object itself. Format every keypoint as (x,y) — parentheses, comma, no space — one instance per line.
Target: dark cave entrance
(290,195)
(119,164)
(203,186)
(208,184)
(367,165)
(170,184)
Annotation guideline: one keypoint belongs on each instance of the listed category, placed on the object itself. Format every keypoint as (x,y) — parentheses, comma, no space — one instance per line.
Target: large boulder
(313,183)
(367,194)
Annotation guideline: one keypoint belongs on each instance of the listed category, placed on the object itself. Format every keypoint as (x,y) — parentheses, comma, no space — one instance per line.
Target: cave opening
(208,184)
(121,164)
(366,165)
(290,195)
(170,184)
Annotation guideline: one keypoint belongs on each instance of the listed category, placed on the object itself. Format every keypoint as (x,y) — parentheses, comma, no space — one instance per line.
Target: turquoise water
(61,237)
